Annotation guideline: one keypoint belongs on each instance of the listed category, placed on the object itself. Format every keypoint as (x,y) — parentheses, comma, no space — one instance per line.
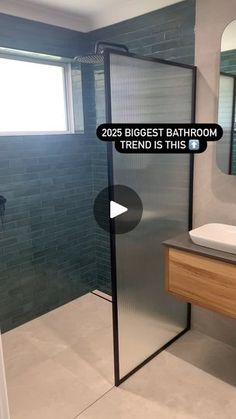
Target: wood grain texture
(203,281)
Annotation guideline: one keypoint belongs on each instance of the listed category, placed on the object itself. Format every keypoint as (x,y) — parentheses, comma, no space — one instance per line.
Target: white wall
(214,192)
(229,37)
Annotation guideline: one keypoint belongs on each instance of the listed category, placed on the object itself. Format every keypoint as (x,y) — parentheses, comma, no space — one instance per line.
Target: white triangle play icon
(116,209)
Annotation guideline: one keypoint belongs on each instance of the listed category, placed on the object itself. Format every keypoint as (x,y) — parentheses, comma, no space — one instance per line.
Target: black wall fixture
(2,208)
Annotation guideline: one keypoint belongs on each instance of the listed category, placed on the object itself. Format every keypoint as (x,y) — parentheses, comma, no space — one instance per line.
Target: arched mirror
(226,147)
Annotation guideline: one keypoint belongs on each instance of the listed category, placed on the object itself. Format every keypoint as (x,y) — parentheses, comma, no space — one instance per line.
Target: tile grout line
(88,407)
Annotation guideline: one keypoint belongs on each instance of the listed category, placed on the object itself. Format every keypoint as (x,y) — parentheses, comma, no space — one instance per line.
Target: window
(35,97)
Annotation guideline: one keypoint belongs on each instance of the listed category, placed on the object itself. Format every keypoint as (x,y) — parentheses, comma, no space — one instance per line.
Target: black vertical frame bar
(108,104)
(191,177)
(107,80)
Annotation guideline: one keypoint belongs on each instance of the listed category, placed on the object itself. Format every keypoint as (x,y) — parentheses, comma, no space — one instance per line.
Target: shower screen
(146,318)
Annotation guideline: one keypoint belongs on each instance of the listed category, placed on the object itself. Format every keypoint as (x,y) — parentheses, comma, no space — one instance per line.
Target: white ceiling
(82,15)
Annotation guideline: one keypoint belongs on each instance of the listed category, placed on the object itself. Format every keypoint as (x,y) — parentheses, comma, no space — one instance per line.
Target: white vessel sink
(215,236)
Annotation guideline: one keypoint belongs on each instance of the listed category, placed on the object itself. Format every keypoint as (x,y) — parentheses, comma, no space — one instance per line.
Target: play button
(118,209)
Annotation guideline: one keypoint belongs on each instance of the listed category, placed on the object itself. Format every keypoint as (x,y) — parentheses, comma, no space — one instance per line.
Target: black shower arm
(109,45)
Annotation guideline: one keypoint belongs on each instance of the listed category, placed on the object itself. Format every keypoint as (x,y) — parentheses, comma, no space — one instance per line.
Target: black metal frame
(232,76)
(109,45)
(112,224)
(107,53)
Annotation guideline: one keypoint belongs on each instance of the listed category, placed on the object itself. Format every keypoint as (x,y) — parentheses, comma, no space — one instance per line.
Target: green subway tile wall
(46,242)
(228,61)
(39,37)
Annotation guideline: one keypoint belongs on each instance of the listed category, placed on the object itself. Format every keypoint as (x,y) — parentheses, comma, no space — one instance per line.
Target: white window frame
(69,111)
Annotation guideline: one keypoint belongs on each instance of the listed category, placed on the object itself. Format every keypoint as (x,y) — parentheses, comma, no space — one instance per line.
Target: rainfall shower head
(97,57)
(89,59)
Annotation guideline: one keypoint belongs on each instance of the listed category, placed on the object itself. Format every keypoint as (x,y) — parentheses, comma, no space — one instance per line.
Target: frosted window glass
(32,97)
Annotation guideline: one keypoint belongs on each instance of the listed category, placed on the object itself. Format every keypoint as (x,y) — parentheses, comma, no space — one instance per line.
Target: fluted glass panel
(146,91)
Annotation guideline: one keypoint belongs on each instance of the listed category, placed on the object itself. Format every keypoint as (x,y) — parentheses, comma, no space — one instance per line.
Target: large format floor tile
(62,362)
(51,391)
(208,354)
(55,371)
(184,382)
